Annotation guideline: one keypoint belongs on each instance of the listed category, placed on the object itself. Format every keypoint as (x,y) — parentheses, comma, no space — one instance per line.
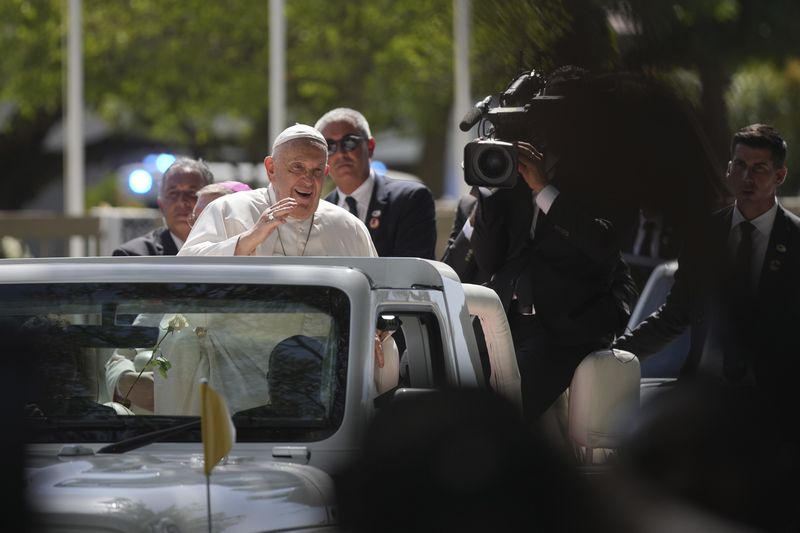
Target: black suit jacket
(459,253)
(702,291)
(401,218)
(157,242)
(572,272)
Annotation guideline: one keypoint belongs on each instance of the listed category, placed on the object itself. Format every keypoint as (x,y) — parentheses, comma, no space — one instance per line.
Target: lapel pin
(374,222)
(780,248)
(774,265)
(376,213)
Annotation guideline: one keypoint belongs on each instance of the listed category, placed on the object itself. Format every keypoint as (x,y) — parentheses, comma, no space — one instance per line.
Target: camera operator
(554,255)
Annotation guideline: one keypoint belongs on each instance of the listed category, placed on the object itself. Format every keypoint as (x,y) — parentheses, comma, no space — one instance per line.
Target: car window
(419,341)
(277,354)
(667,362)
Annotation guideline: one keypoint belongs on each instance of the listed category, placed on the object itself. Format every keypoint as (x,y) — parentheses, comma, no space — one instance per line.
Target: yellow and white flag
(216,427)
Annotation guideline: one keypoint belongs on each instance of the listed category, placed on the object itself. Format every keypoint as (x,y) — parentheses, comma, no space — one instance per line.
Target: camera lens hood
(490,163)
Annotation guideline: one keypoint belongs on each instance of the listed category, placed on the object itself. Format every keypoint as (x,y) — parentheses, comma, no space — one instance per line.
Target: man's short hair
(187,165)
(762,136)
(345,114)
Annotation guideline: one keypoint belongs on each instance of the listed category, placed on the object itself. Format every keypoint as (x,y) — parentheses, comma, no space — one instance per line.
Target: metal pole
(462,102)
(73,139)
(277,69)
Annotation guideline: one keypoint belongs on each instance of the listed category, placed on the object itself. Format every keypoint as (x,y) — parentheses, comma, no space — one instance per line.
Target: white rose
(176,323)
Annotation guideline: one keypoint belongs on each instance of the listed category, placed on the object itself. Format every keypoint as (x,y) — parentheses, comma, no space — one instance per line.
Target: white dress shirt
(542,201)
(178,242)
(362,196)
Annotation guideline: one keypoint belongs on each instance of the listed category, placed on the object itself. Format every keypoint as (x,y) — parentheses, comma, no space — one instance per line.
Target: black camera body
(521,113)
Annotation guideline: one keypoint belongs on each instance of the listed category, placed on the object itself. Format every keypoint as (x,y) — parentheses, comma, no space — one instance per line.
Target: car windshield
(277,354)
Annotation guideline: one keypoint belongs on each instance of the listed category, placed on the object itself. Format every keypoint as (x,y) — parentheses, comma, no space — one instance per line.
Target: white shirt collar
(178,242)
(363,194)
(763,222)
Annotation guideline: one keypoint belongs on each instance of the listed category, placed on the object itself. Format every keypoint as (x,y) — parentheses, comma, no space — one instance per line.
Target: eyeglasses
(348,143)
(759,169)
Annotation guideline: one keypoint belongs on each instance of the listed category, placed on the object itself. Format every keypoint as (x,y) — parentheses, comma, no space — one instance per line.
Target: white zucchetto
(299,131)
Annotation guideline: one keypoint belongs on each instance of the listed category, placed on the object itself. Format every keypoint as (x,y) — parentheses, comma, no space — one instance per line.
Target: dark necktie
(647,242)
(351,204)
(744,258)
(736,350)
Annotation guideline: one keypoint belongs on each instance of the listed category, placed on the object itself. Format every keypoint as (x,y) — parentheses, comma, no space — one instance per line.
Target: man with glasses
(286,217)
(400,214)
(177,196)
(738,283)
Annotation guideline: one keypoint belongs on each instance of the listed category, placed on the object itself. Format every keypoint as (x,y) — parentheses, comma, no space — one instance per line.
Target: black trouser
(546,367)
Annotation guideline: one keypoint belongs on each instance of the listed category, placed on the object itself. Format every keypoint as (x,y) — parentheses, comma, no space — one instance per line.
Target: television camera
(522,112)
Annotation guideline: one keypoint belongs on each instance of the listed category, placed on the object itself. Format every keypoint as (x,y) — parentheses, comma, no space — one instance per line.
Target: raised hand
(272,217)
(276,214)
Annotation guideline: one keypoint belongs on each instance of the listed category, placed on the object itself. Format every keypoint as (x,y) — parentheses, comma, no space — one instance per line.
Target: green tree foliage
(543,35)
(712,38)
(394,61)
(390,60)
(159,70)
(763,93)
(170,71)
(30,66)
(30,95)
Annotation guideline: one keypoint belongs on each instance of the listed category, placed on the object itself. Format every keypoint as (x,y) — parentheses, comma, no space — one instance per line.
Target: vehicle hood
(134,492)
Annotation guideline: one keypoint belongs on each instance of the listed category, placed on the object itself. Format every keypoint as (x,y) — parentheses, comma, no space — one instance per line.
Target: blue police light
(163,161)
(140,181)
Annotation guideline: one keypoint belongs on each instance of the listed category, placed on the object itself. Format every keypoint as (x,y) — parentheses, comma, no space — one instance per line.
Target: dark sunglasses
(348,143)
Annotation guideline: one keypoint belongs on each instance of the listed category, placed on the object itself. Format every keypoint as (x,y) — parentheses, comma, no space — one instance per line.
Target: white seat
(388,377)
(604,394)
(484,303)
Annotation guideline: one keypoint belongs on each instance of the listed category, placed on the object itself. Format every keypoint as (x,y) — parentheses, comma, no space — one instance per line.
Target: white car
(288,342)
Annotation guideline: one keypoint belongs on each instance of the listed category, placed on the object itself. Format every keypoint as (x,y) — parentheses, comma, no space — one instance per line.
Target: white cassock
(332,231)
(231,350)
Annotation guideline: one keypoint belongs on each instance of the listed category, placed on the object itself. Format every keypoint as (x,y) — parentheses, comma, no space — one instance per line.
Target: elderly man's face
(177,200)
(297,169)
